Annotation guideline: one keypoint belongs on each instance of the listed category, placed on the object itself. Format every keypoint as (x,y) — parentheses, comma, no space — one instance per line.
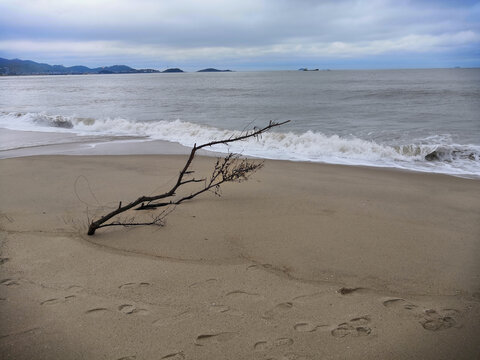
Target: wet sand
(303,261)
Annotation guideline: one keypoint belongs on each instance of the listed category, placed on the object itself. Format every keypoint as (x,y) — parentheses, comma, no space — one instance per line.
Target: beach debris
(230,168)
(448,154)
(346,290)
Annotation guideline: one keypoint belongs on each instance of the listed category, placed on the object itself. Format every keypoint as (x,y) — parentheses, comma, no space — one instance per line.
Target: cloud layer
(248,33)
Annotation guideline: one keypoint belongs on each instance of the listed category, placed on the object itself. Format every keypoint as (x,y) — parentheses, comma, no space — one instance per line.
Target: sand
(303,261)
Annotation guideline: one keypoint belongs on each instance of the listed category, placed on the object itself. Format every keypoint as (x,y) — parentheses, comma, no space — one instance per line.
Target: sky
(243,34)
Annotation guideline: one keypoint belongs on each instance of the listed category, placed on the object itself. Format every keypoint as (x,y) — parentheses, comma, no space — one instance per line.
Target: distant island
(173,70)
(29,67)
(213,70)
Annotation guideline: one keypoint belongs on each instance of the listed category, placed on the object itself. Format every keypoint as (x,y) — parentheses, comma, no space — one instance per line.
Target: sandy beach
(303,261)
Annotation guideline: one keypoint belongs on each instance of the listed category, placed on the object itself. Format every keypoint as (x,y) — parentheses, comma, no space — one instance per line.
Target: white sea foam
(449,158)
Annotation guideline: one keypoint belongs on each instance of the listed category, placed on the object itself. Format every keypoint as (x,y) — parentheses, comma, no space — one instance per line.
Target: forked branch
(228,169)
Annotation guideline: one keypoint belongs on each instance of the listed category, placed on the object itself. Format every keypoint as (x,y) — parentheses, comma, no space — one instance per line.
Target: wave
(431,154)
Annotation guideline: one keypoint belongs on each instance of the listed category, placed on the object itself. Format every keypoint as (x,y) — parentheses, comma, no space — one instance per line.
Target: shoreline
(304,260)
(87,145)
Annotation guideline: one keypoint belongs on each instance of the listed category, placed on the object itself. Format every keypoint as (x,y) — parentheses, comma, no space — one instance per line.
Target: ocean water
(387,118)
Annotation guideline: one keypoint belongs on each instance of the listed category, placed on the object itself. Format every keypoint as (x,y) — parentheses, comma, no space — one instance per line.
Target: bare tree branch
(228,169)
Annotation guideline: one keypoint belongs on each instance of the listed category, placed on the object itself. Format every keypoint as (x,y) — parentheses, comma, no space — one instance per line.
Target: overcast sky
(243,34)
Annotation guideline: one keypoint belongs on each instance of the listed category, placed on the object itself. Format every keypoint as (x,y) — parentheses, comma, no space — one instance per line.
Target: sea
(425,120)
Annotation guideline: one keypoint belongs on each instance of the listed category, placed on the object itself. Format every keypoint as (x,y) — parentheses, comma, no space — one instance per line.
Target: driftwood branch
(228,169)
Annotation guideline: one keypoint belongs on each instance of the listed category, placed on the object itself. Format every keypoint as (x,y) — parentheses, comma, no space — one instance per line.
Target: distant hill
(213,70)
(28,67)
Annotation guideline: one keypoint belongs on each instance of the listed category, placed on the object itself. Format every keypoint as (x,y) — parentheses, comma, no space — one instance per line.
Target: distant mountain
(28,67)
(213,70)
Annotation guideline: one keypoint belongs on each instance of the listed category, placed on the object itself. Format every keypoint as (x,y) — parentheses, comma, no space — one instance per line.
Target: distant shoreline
(18,67)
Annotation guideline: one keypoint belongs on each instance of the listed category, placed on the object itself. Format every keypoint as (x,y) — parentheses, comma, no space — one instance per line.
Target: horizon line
(262,69)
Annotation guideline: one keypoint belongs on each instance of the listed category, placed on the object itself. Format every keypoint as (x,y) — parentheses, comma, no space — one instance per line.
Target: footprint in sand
(306,327)
(224,309)
(3,260)
(435,321)
(294,356)
(398,302)
(431,319)
(217,338)
(203,283)
(174,356)
(55,301)
(277,310)
(259,266)
(354,327)
(126,309)
(283,342)
(264,345)
(132,309)
(97,311)
(51,302)
(240,294)
(9,282)
(31,331)
(307,297)
(133,285)
(219,308)
(268,267)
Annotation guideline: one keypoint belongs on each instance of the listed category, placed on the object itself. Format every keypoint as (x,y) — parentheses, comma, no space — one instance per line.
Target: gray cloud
(248,28)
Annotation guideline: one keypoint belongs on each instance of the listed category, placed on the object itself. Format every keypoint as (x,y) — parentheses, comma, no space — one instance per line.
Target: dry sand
(256,274)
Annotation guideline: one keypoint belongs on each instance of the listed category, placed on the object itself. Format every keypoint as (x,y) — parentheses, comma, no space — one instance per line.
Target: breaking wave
(432,154)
